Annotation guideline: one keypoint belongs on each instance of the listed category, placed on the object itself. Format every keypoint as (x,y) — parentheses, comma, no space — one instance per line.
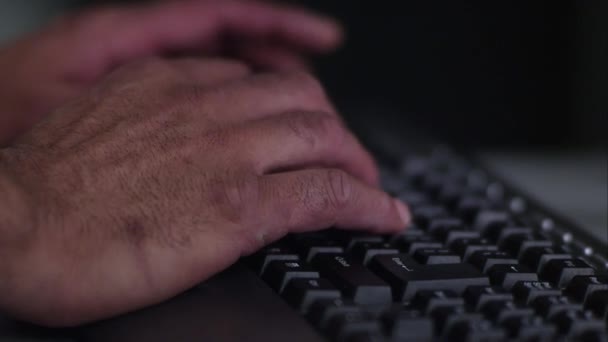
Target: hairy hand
(166,173)
(43,70)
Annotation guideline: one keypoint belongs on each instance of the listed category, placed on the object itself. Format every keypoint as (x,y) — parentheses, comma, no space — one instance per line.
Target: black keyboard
(480,262)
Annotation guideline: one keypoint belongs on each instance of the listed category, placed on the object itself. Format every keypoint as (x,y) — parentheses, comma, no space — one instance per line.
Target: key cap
(561,271)
(321,311)
(529,328)
(580,287)
(501,235)
(444,223)
(548,306)
(363,252)
(537,257)
(484,260)
(348,239)
(470,206)
(517,244)
(575,322)
(356,281)
(499,310)
(448,235)
(406,277)
(423,215)
(309,246)
(445,317)
(528,291)
(507,275)
(414,198)
(477,296)
(410,244)
(475,330)
(465,247)
(403,324)
(428,300)
(302,292)
(597,302)
(487,220)
(341,327)
(260,260)
(436,256)
(451,193)
(279,272)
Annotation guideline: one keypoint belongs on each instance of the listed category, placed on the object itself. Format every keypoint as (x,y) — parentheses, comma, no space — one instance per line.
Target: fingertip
(403,211)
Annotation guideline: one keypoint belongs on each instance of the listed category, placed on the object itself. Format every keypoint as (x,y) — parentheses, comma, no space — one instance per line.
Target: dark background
(478,72)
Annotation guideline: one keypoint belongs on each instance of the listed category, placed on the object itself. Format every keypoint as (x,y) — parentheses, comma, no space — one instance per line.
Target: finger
(271,57)
(258,96)
(209,71)
(302,139)
(308,200)
(126,33)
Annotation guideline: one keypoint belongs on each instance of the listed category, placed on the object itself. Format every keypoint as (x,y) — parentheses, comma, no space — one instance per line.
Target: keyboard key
(309,246)
(321,311)
(528,291)
(448,235)
(484,260)
(465,247)
(356,281)
(444,223)
(423,215)
(302,292)
(502,235)
(517,244)
(576,322)
(407,325)
(561,271)
(537,257)
(260,260)
(414,198)
(529,328)
(279,272)
(499,310)
(365,251)
(549,306)
(477,296)
(436,256)
(580,287)
(474,330)
(342,327)
(348,239)
(507,275)
(428,300)
(410,244)
(470,206)
(597,302)
(487,220)
(445,317)
(406,276)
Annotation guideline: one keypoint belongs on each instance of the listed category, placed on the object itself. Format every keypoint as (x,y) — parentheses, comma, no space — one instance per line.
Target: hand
(166,173)
(45,69)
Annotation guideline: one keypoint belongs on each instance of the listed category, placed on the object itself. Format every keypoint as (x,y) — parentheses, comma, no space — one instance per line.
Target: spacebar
(406,276)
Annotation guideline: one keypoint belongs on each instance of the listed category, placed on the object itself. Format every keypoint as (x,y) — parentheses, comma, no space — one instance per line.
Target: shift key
(355,281)
(406,276)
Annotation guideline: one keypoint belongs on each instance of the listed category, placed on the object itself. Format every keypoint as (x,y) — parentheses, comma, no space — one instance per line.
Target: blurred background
(523,83)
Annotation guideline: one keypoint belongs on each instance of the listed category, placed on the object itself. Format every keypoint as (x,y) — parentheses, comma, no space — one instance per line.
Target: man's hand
(166,173)
(45,69)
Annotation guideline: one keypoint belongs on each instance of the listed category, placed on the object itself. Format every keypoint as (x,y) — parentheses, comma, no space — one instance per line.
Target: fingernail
(404,212)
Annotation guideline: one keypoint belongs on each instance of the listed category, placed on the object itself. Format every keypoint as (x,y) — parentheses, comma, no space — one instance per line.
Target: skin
(164,172)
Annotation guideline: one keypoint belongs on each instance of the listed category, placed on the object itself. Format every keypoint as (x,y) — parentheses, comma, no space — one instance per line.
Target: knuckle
(239,195)
(339,188)
(315,127)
